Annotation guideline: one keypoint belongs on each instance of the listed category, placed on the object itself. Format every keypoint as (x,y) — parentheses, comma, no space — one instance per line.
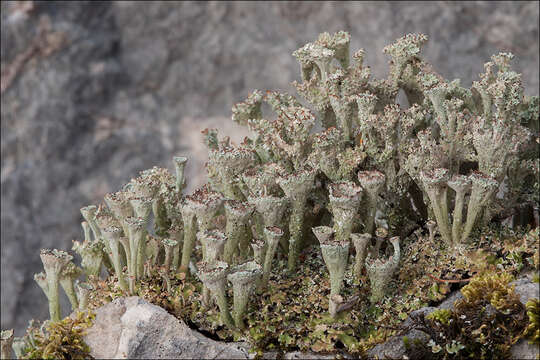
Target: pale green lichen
(374,170)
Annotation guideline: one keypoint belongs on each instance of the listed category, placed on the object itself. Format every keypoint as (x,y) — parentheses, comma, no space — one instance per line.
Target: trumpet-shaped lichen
(375,170)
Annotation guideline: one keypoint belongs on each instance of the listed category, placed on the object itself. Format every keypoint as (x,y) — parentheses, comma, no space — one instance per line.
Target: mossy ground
(292,313)
(58,340)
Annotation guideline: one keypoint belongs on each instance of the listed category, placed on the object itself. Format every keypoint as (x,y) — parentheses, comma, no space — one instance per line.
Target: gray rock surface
(131,328)
(94,92)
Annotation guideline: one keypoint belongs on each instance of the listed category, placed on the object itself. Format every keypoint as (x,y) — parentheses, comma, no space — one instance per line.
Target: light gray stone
(525,351)
(448,303)
(131,328)
(526,289)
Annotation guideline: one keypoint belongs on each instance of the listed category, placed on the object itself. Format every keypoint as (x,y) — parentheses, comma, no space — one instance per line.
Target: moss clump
(483,325)
(58,340)
(533,329)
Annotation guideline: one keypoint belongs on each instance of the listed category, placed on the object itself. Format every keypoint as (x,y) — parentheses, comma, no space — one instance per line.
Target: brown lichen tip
(54,260)
(273,231)
(212,240)
(372,181)
(245,273)
(406,47)
(326,236)
(328,137)
(460,183)
(238,210)
(170,243)
(204,198)
(435,177)
(119,204)
(135,223)
(210,272)
(235,158)
(482,181)
(112,232)
(142,205)
(298,183)
(176,230)
(344,192)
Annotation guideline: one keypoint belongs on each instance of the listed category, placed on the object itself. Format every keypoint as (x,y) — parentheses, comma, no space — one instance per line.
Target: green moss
(59,340)
(441,315)
(533,328)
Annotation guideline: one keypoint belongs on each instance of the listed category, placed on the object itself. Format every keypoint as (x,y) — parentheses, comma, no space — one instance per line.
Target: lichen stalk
(214,277)
(179,165)
(483,187)
(67,277)
(272,234)
(83,294)
(112,235)
(360,242)
(296,187)
(137,230)
(373,183)
(380,271)
(431,225)
(344,201)
(461,184)
(91,253)
(335,254)
(214,242)
(237,228)
(143,207)
(435,185)
(190,231)
(244,278)
(169,246)
(176,232)
(259,251)
(54,262)
(333,305)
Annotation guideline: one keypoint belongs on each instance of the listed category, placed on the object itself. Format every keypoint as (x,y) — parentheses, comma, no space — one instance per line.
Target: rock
(394,348)
(118,87)
(448,303)
(526,289)
(131,328)
(422,311)
(522,350)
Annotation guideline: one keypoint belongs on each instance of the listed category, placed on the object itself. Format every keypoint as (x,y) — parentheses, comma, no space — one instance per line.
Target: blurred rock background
(94,92)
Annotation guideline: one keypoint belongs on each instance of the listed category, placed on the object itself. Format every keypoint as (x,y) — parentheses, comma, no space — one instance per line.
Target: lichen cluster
(344,177)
